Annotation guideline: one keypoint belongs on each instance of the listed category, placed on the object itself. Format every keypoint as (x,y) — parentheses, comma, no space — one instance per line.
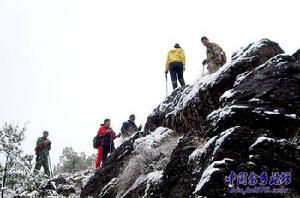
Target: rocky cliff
(243,118)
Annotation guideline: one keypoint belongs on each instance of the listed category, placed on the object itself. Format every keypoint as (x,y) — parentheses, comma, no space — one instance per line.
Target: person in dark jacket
(43,146)
(129,127)
(107,143)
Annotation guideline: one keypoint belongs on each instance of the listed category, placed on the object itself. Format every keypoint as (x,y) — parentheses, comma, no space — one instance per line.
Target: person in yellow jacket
(176,65)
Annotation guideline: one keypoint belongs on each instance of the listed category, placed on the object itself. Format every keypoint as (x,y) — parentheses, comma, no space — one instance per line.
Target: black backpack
(97,141)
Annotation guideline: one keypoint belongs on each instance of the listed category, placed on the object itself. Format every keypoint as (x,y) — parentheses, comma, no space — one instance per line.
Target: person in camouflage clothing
(216,57)
(43,146)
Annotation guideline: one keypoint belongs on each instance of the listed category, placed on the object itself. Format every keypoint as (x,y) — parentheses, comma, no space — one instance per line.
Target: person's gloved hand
(166,72)
(109,131)
(204,62)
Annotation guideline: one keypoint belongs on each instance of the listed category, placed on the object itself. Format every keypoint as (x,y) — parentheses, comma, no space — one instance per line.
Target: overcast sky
(65,66)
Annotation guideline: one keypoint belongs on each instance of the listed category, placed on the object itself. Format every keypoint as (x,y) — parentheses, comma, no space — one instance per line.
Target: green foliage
(11,136)
(17,169)
(71,161)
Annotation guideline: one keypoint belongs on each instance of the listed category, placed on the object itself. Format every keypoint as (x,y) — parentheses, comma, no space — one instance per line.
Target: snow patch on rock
(275,112)
(108,187)
(221,113)
(260,140)
(154,178)
(203,150)
(150,156)
(222,137)
(254,100)
(267,139)
(227,94)
(153,138)
(293,116)
(208,172)
(240,78)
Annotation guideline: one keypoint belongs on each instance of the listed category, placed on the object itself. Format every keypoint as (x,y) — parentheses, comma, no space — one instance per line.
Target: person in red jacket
(107,142)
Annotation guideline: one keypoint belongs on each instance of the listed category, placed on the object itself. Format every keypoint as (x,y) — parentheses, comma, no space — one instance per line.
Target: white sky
(67,65)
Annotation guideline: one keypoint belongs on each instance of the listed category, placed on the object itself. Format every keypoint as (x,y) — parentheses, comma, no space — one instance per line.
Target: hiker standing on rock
(43,146)
(107,136)
(176,65)
(216,57)
(129,127)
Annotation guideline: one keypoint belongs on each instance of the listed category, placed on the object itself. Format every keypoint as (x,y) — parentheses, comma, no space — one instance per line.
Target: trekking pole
(166,84)
(50,168)
(110,145)
(203,70)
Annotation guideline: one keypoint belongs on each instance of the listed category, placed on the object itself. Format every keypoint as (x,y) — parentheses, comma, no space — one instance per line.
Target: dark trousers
(176,72)
(106,150)
(42,160)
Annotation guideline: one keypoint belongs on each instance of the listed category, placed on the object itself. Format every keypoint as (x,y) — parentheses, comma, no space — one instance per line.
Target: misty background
(66,65)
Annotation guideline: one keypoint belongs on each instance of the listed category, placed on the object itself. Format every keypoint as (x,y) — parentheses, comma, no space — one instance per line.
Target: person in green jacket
(43,146)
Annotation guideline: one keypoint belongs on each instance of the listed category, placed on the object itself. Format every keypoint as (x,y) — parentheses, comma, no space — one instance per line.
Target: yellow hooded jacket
(175,55)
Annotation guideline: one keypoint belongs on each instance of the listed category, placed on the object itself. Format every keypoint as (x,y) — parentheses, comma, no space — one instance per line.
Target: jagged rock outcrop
(66,185)
(135,166)
(243,118)
(187,108)
(110,170)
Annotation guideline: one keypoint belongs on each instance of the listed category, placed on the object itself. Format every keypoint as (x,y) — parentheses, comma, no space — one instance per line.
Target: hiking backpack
(97,141)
